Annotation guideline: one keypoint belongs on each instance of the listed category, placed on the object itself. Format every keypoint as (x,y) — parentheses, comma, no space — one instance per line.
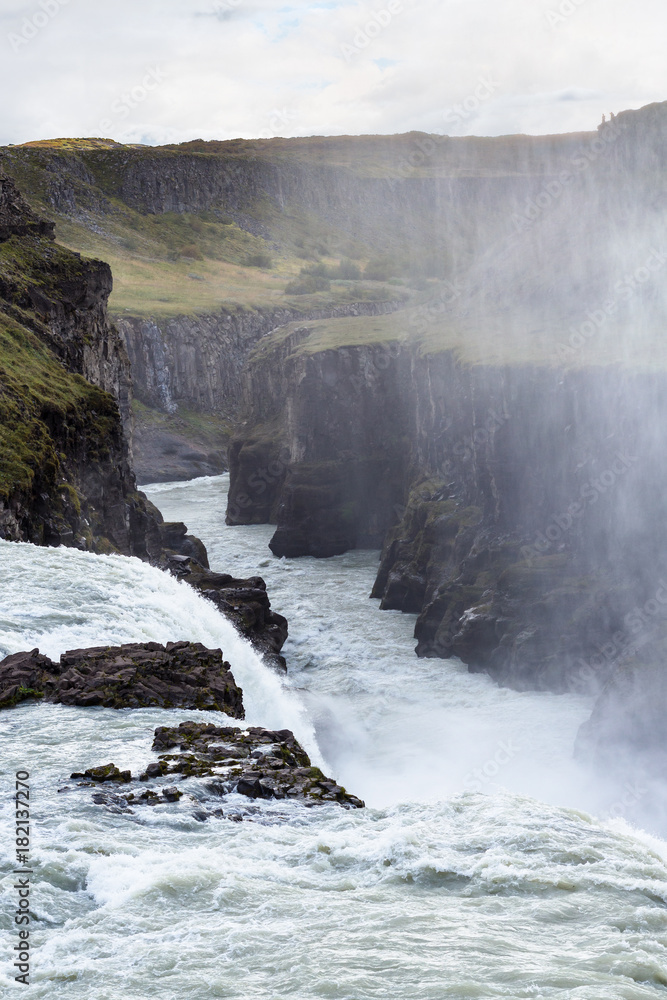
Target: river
(488,863)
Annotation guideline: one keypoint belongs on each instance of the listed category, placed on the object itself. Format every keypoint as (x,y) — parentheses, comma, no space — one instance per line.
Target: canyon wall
(197,362)
(522,510)
(503,444)
(67,476)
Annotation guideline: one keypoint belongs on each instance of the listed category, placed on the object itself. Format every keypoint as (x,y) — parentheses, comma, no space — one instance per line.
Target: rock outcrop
(65,409)
(244,602)
(65,423)
(197,362)
(519,514)
(134,675)
(256,763)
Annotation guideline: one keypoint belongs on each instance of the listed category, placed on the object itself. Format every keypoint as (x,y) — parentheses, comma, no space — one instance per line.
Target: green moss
(39,263)
(152,254)
(21,694)
(70,495)
(37,393)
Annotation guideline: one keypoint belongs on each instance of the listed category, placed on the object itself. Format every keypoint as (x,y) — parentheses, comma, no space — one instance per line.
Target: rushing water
(487,864)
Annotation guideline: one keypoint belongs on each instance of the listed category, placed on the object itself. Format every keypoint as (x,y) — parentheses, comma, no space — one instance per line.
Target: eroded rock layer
(134,675)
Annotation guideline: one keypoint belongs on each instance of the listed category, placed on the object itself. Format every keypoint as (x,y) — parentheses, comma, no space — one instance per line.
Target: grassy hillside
(182,263)
(640,348)
(502,248)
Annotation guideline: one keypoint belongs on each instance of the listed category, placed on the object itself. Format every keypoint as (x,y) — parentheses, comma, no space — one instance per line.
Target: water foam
(60,599)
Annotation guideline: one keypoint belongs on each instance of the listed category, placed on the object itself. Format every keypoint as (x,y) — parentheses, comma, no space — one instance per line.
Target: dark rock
(106,772)
(135,675)
(174,537)
(24,676)
(172,794)
(251,786)
(518,505)
(175,451)
(198,363)
(16,216)
(258,763)
(244,602)
(82,491)
(154,770)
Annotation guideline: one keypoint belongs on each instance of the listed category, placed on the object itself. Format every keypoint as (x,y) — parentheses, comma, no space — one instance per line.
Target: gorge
(447,351)
(473,401)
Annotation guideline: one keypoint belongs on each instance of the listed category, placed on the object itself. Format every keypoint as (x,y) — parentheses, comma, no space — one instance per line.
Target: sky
(157,71)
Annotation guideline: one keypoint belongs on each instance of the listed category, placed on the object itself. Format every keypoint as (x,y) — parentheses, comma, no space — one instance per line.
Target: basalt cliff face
(518,515)
(67,476)
(502,441)
(65,415)
(499,436)
(197,364)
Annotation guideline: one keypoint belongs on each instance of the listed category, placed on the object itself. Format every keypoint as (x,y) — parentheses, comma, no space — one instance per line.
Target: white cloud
(254,67)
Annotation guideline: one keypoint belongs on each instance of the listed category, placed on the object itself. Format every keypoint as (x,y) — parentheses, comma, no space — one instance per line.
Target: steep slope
(214,244)
(66,473)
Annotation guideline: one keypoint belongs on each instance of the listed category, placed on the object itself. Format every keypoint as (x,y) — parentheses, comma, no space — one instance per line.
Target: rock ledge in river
(135,675)
(255,762)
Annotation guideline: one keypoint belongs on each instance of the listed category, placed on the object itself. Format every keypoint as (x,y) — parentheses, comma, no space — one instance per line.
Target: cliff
(519,516)
(191,369)
(65,418)
(213,245)
(66,475)
(502,439)
(488,433)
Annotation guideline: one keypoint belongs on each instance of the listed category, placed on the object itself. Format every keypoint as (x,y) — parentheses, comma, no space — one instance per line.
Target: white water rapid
(487,864)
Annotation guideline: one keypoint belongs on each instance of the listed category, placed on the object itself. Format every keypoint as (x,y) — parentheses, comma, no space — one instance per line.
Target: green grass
(199,263)
(489,343)
(35,390)
(207,429)
(173,264)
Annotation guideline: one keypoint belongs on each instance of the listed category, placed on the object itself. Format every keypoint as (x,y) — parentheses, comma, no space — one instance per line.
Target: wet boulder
(134,675)
(210,763)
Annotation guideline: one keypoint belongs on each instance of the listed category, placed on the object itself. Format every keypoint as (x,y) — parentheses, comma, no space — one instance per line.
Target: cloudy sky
(169,70)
